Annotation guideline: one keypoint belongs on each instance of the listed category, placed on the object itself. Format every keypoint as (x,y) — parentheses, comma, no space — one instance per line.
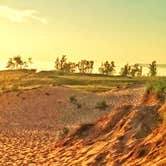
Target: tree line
(18,63)
(106,68)
(86,66)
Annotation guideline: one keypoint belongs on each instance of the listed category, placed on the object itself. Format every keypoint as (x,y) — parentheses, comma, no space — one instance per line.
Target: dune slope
(131,131)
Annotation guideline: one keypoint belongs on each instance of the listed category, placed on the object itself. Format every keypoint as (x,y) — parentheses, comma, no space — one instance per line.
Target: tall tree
(18,62)
(65,66)
(57,64)
(126,70)
(107,68)
(85,66)
(153,68)
(61,63)
(136,70)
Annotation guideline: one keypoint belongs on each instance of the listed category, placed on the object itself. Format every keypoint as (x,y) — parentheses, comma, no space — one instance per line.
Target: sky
(126,31)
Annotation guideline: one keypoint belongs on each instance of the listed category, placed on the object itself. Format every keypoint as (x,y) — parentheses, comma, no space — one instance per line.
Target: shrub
(101,105)
(79,105)
(15,88)
(65,130)
(84,130)
(158,87)
(73,99)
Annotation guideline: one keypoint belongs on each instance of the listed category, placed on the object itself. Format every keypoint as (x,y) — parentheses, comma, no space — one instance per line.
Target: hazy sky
(120,30)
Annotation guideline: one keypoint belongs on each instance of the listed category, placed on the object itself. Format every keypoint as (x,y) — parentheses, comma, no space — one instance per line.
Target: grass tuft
(102,105)
(158,87)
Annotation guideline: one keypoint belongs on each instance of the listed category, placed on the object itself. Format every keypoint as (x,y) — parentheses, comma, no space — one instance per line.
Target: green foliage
(126,70)
(131,70)
(107,68)
(158,87)
(18,63)
(136,70)
(153,69)
(85,66)
(63,65)
(79,105)
(74,101)
(101,105)
(28,79)
(84,130)
(65,130)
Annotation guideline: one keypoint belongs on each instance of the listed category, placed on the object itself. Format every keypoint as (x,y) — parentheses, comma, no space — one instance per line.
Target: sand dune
(128,132)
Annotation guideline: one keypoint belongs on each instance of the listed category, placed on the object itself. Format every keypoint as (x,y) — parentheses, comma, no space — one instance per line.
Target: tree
(30,61)
(57,64)
(153,68)
(85,66)
(17,63)
(82,66)
(107,68)
(126,70)
(72,67)
(63,62)
(10,64)
(69,67)
(60,64)
(136,70)
(90,66)
(63,65)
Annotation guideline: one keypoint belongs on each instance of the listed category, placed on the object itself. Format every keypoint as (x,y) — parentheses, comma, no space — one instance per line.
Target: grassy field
(28,79)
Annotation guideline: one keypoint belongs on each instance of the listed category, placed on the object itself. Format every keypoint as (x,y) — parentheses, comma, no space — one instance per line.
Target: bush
(84,130)
(15,88)
(65,130)
(73,99)
(158,87)
(101,105)
(79,105)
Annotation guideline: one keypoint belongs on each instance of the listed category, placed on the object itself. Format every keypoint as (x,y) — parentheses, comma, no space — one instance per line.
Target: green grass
(27,79)
(102,105)
(158,87)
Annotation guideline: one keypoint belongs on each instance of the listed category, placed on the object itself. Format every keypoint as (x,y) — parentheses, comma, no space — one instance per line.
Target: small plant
(79,105)
(101,105)
(65,130)
(15,88)
(73,99)
(84,130)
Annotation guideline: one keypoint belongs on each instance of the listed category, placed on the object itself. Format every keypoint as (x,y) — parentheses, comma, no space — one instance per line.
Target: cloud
(20,16)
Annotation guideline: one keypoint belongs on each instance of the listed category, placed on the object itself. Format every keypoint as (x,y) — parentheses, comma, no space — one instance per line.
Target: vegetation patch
(158,87)
(65,130)
(84,130)
(15,88)
(74,101)
(102,105)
